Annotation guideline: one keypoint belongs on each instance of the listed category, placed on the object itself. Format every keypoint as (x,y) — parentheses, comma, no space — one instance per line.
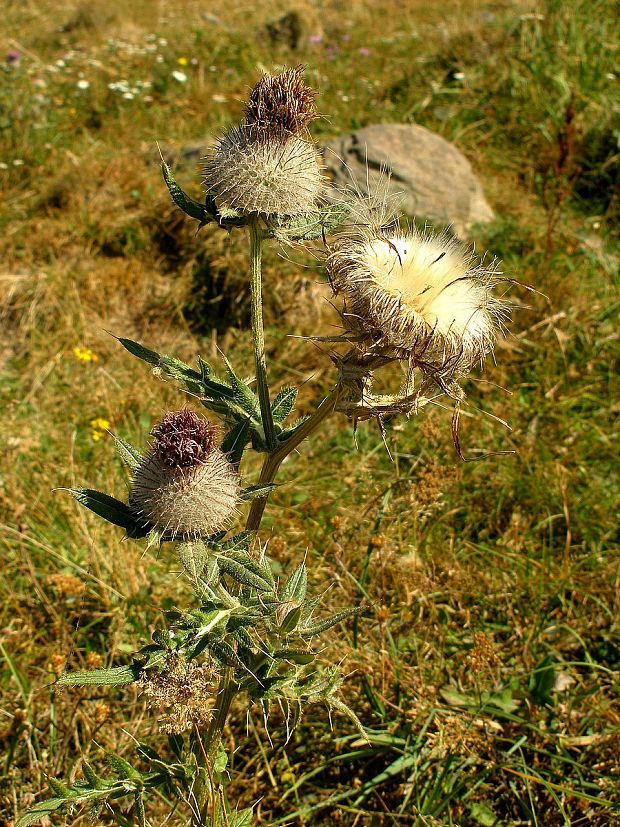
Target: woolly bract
(421,295)
(266,171)
(191,501)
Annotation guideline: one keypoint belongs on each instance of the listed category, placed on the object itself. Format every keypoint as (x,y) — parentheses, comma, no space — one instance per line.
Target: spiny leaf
(95,781)
(111,509)
(336,703)
(295,587)
(192,208)
(130,455)
(291,620)
(40,811)
(295,655)
(289,432)
(60,789)
(123,768)
(241,819)
(116,676)
(225,653)
(235,441)
(284,403)
(240,542)
(327,623)
(193,555)
(245,570)
(243,395)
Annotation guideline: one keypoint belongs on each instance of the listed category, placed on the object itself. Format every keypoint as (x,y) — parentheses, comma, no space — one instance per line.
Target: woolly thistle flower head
(425,297)
(267,164)
(185,486)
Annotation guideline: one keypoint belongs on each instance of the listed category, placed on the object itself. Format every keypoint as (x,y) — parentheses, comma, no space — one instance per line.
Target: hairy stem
(258,334)
(274,459)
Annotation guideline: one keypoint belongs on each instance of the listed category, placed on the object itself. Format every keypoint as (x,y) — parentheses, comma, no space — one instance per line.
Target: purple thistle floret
(183,439)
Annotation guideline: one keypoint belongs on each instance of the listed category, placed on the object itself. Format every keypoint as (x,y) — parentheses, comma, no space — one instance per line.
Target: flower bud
(185,486)
(267,165)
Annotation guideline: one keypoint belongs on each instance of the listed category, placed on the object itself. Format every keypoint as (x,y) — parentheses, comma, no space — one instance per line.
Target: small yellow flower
(85,354)
(182,61)
(99,427)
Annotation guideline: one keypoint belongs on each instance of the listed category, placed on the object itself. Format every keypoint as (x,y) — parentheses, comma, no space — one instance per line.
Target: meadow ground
(485,661)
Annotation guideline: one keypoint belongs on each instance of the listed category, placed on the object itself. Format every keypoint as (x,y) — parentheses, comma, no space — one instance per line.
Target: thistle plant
(245,636)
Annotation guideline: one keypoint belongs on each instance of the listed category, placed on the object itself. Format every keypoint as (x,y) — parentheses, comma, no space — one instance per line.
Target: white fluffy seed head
(193,501)
(272,172)
(422,295)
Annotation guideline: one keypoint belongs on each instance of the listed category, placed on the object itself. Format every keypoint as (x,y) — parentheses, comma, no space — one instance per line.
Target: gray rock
(433,179)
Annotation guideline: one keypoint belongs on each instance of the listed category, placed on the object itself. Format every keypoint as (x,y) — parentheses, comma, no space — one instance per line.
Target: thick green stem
(258,335)
(276,458)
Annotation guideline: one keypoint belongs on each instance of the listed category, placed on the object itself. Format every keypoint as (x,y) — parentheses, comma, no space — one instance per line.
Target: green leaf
(241,819)
(111,509)
(542,681)
(327,623)
(245,570)
(245,397)
(130,455)
(116,676)
(291,620)
(240,542)
(173,368)
(95,781)
(123,768)
(283,404)
(482,814)
(192,208)
(235,441)
(295,587)
(254,491)
(221,760)
(295,655)
(193,555)
(40,811)
(60,789)
(224,652)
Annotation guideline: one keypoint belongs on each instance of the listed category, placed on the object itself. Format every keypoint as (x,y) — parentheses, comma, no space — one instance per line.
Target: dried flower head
(421,296)
(283,102)
(185,485)
(266,165)
(181,692)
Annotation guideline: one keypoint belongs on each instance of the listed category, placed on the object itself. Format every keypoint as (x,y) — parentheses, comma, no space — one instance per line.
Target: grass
(486,659)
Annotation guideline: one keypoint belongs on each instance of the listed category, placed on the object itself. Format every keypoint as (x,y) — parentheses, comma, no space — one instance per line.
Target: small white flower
(3,165)
(83,84)
(181,77)
(61,64)
(18,162)
(128,96)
